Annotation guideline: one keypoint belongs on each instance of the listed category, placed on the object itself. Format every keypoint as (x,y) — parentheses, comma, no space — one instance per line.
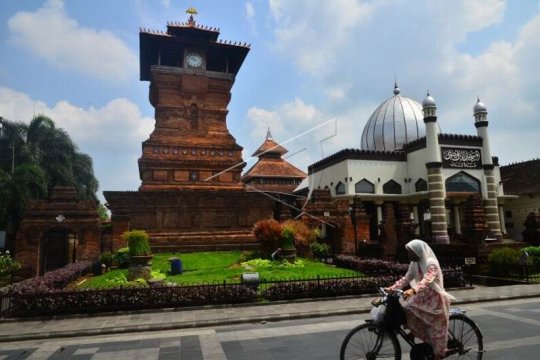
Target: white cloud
(250,11)
(300,128)
(480,14)
(310,31)
(111,135)
(51,34)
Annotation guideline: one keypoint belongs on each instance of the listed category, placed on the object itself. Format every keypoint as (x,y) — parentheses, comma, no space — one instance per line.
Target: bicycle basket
(394,316)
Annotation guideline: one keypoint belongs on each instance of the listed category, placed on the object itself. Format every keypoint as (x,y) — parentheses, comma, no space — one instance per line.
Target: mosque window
(340,188)
(420,185)
(391,187)
(364,186)
(462,182)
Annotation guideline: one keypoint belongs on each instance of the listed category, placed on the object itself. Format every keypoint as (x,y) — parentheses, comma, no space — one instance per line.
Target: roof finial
(396,87)
(268,134)
(191,11)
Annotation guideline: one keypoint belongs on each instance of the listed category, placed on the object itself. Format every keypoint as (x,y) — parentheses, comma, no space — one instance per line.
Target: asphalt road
(511,330)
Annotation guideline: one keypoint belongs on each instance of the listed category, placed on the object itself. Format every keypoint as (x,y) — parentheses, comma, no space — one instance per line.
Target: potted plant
(140,254)
(139,246)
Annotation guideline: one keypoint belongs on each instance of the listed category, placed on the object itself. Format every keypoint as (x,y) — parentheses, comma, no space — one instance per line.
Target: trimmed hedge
(56,302)
(453,275)
(325,288)
(56,279)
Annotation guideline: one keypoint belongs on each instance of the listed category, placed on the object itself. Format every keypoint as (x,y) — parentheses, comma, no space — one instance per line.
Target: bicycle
(373,340)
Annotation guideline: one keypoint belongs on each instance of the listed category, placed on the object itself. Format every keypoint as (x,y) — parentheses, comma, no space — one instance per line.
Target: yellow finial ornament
(191,11)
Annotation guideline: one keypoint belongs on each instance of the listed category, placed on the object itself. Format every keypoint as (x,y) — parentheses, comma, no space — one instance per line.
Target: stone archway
(58,248)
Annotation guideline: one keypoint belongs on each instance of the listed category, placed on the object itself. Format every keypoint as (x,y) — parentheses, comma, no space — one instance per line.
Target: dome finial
(268,134)
(396,87)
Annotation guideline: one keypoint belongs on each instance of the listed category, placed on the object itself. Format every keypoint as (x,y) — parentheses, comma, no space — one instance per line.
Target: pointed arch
(420,185)
(364,186)
(340,188)
(462,182)
(391,187)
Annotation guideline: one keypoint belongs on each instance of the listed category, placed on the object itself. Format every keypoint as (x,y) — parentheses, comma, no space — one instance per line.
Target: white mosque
(405,160)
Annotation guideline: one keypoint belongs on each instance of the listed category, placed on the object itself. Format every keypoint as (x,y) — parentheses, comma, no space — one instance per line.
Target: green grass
(219,266)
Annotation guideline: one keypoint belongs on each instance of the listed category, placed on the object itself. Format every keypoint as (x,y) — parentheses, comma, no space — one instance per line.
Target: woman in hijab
(427,303)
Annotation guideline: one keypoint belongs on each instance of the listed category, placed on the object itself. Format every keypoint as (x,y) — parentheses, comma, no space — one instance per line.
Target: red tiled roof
(272,168)
(521,178)
(270,147)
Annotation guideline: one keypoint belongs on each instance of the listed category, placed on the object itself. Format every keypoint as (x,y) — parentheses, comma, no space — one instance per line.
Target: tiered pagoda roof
(272,173)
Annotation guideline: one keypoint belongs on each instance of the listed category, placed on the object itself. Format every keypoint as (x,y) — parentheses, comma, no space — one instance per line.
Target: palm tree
(34,158)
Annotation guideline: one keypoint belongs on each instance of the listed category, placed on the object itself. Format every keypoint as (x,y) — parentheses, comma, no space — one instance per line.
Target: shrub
(325,288)
(138,242)
(7,265)
(65,302)
(504,256)
(320,249)
(304,236)
(106,258)
(287,237)
(268,233)
(56,279)
(534,253)
(121,258)
(453,275)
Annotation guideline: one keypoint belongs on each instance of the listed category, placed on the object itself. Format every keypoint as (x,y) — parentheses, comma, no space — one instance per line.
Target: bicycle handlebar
(396,291)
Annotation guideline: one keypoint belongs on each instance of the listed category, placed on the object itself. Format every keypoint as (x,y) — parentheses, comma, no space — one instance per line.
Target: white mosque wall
(416,162)
(378,173)
(330,177)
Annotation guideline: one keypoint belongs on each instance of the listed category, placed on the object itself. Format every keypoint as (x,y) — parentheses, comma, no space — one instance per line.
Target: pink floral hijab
(426,258)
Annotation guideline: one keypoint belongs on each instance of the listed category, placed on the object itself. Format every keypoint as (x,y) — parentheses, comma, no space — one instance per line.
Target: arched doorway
(58,248)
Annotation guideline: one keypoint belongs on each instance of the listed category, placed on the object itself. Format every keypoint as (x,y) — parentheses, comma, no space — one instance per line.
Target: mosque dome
(396,122)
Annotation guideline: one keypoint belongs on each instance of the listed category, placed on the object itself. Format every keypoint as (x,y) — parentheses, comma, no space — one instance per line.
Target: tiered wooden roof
(272,173)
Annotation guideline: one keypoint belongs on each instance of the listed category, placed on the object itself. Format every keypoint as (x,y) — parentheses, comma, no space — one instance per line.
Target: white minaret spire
(436,188)
(490,197)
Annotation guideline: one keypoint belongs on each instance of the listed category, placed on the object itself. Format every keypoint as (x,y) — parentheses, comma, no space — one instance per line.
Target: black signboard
(461,158)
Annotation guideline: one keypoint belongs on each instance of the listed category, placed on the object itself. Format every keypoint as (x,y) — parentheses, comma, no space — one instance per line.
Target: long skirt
(427,318)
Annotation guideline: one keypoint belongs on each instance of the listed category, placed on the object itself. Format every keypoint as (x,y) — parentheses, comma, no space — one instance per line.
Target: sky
(315,72)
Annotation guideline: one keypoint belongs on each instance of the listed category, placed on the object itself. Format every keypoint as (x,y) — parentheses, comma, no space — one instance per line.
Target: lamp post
(352,213)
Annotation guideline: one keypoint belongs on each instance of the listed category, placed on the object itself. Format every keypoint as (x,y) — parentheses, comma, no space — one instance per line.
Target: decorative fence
(57,302)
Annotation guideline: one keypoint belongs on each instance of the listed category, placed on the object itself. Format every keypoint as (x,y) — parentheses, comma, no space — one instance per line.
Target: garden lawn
(219,266)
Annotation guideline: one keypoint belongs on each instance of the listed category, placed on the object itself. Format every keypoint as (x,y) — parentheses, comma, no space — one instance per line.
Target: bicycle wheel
(465,340)
(370,342)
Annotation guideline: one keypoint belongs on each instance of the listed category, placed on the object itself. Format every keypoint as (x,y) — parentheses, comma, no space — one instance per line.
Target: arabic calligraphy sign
(461,158)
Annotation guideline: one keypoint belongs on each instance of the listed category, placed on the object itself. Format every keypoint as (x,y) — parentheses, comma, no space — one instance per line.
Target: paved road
(511,330)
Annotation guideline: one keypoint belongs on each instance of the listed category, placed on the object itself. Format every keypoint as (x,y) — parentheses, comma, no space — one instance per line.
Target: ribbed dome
(396,122)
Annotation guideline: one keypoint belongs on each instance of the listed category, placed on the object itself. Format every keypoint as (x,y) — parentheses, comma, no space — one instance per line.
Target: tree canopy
(34,158)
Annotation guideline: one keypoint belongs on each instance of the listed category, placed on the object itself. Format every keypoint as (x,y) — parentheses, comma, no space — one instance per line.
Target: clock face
(194,60)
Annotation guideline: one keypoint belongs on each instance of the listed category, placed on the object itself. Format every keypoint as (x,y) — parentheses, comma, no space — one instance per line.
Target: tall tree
(34,158)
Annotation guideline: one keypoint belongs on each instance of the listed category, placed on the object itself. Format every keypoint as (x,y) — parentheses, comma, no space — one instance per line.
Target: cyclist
(426,303)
